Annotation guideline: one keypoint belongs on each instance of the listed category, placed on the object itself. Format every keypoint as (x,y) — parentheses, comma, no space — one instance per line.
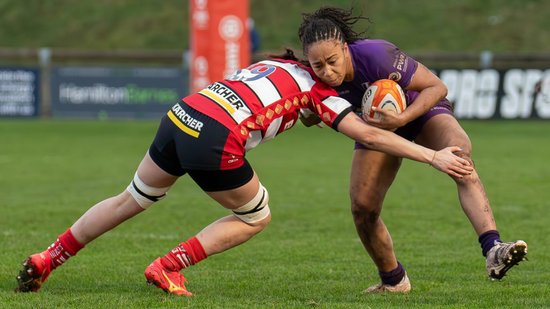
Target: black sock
(488,240)
(393,277)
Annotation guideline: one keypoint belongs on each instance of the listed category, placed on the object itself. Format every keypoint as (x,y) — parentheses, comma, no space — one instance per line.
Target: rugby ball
(384,94)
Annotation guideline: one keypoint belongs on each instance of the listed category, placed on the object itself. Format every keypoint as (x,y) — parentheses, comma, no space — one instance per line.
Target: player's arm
(337,113)
(431,90)
(388,61)
(388,142)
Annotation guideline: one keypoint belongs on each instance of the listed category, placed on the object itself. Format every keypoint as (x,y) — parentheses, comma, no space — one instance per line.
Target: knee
(466,154)
(256,212)
(144,194)
(261,224)
(366,208)
(256,227)
(468,179)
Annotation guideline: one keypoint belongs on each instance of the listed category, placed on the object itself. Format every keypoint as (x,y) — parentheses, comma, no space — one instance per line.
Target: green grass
(415,26)
(309,256)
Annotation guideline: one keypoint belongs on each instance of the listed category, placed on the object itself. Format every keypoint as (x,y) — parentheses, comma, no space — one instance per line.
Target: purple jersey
(378,59)
(374,60)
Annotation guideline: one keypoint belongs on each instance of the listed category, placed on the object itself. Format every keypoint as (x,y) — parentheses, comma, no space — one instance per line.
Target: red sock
(63,248)
(184,255)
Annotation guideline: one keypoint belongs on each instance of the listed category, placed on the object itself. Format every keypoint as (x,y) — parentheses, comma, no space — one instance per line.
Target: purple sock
(488,240)
(393,277)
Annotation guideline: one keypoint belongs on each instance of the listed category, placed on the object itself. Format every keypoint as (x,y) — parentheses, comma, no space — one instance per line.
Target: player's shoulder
(279,61)
(291,66)
(286,63)
(372,46)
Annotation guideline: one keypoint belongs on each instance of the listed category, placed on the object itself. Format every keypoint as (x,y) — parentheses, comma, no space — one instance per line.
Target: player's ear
(345,48)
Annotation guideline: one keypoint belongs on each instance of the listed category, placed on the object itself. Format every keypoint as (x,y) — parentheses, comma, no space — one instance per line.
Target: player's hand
(309,119)
(446,161)
(388,119)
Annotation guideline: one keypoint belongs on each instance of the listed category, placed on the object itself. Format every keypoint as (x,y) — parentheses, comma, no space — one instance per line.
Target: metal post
(486,59)
(44,59)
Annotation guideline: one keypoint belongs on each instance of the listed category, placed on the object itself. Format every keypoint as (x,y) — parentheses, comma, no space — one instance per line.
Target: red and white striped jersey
(263,100)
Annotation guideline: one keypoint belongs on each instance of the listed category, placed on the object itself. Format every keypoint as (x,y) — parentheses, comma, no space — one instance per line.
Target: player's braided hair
(289,55)
(329,23)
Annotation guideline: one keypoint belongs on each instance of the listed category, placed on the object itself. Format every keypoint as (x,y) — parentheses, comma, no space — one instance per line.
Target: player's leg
(249,204)
(251,215)
(372,173)
(149,184)
(444,130)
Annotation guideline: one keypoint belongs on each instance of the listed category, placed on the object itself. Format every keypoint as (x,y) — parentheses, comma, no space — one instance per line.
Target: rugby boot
(36,269)
(168,280)
(504,256)
(404,286)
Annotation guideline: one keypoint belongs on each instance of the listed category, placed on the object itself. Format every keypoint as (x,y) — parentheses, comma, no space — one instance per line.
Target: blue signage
(107,92)
(19,92)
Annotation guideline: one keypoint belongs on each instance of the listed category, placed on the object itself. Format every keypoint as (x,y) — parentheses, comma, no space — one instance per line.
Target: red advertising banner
(220,40)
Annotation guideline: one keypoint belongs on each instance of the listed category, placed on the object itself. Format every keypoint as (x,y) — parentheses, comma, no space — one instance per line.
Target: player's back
(266,96)
(264,100)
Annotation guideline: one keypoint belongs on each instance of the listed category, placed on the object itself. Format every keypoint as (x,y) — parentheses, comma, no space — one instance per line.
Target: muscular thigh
(372,173)
(441,131)
(236,197)
(152,175)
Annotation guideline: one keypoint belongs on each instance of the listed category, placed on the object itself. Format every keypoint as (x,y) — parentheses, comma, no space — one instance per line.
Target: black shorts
(178,153)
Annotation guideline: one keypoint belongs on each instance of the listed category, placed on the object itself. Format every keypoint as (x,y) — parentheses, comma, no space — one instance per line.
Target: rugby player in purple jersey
(349,63)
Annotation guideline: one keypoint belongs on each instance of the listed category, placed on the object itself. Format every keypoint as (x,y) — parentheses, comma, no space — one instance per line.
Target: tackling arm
(390,143)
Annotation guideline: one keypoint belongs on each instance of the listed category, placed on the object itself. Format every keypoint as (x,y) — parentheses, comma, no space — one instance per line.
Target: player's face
(329,61)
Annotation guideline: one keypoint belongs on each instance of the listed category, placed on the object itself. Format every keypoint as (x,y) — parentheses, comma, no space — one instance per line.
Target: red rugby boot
(36,269)
(170,281)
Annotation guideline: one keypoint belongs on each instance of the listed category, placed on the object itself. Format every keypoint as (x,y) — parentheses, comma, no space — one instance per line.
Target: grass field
(309,256)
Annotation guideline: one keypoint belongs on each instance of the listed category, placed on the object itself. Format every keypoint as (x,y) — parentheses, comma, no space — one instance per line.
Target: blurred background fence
(127,59)
(481,60)
(143,84)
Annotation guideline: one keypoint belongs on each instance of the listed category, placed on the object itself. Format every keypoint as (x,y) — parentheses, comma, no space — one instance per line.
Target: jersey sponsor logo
(228,100)
(184,121)
(395,76)
(400,62)
(224,96)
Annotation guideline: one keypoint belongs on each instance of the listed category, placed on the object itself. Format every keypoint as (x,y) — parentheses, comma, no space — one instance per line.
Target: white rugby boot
(404,286)
(504,256)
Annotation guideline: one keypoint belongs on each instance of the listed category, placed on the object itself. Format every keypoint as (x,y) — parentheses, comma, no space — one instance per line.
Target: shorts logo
(184,121)
(232,160)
